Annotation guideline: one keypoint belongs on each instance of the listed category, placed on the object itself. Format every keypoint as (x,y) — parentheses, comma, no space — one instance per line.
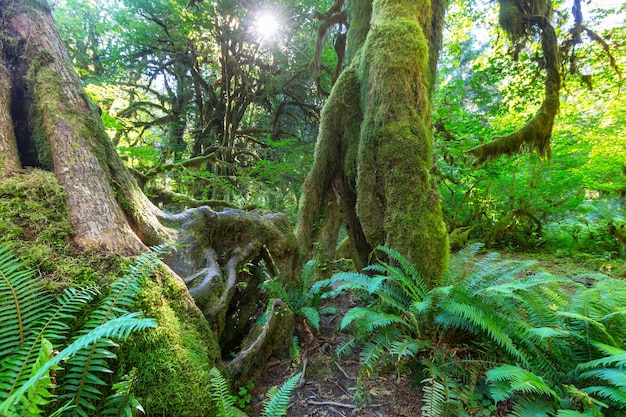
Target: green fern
(119,328)
(277,403)
(433,398)
(220,395)
(30,316)
(82,385)
(122,401)
(33,319)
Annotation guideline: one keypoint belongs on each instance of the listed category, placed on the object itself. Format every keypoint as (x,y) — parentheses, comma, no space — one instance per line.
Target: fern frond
(533,406)
(276,289)
(24,303)
(613,376)
(472,318)
(458,265)
(433,398)
(408,274)
(615,357)
(81,380)
(312,316)
(367,319)
(119,328)
(406,347)
(39,393)
(516,380)
(220,394)
(345,347)
(278,403)
(615,395)
(122,402)
(47,322)
(307,274)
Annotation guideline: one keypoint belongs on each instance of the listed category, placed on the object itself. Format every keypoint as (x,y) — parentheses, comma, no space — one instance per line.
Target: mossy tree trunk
(47,121)
(375,148)
(57,128)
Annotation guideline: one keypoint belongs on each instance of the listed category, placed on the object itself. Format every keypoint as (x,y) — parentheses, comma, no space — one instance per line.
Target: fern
(512,379)
(39,393)
(433,398)
(81,382)
(122,402)
(303,298)
(119,328)
(278,402)
(33,319)
(31,316)
(220,395)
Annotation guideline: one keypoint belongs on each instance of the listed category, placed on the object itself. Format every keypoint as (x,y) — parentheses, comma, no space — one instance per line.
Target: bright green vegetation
(176,356)
(204,113)
(548,344)
(277,398)
(34,323)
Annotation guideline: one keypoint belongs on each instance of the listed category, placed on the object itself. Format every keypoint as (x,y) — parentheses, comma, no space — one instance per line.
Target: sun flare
(266,25)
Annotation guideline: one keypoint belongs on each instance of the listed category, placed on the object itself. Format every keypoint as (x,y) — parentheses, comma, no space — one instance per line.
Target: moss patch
(173,360)
(34,222)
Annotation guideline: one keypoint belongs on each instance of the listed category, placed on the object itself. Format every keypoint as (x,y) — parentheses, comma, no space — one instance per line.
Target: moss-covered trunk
(376,138)
(61,131)
(47,121)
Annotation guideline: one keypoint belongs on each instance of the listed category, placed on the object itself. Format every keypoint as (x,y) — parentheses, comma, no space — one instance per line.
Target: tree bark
(67,134)
(9,158)
(47,121)
(375,147)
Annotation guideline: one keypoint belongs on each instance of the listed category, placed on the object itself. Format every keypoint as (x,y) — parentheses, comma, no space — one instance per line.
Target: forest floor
(329,385)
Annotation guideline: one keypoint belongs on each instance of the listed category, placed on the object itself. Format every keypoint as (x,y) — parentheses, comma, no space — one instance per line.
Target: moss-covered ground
(173,360)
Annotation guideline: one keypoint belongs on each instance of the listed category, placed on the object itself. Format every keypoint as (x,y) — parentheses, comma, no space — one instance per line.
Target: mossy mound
(173,360)
(34,221)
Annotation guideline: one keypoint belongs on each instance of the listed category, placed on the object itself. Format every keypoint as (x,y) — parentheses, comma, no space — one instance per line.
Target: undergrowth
(493,329)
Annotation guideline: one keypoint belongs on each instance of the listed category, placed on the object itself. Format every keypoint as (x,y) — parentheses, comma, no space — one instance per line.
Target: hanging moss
(537,132)
(511,19)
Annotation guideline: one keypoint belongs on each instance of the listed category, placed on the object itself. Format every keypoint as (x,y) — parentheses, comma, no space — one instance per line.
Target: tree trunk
(9,158)
(375,148)
(47,121)
(65,130)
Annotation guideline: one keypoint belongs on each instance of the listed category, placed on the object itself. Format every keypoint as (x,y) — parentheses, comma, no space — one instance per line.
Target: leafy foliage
(526,324)
(33,320)
(276,404)
(303,296)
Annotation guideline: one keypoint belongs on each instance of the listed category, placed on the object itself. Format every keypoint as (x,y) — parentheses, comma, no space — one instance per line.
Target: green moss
(397,203)
(174,360)
(34,221)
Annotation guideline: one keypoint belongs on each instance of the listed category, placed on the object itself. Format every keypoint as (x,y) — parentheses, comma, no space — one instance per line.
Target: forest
(375,208)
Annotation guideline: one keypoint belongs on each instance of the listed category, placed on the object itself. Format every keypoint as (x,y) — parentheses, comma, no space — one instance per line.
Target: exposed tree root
(218,251)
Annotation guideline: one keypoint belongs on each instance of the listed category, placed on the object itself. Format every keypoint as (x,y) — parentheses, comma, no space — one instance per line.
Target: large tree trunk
(47,121)
(375,148)
(61,131)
